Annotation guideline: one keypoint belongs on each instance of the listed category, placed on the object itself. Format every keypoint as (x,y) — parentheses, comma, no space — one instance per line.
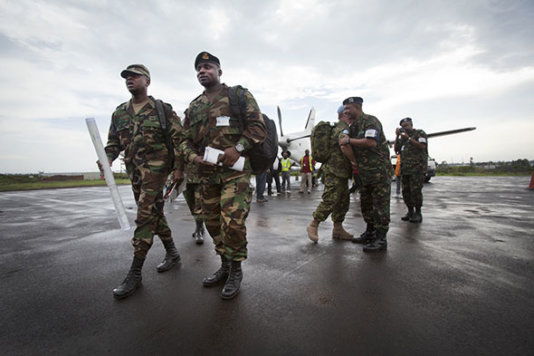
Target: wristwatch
(239,148)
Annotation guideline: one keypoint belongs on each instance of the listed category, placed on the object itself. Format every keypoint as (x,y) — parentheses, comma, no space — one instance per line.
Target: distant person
(307,166)
(370,148)
(398,179)
(135,129)
(226,193)
(414,161)
(274,174)
(335,199)
(286,172)
(261,179)
(356,180)
(193,199)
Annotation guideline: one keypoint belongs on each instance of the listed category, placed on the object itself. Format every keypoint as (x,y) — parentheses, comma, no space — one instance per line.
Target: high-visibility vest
(286,164)
(397,166)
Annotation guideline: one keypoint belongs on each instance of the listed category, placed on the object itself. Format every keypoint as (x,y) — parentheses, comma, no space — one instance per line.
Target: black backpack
(261,155)
(163,119)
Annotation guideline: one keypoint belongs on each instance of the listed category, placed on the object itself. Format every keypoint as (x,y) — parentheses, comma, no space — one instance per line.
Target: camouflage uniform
(414,162)
(192,191)
(335,198)
(226,194)
(147,163)
(375,172)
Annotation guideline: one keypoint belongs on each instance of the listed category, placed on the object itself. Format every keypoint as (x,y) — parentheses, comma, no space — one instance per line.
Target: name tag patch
(223,121)
(422,139)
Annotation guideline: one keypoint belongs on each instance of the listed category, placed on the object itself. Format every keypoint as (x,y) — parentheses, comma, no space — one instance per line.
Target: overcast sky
(447,64)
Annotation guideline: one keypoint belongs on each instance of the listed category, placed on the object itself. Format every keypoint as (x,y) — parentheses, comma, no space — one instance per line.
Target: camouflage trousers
(335,199)
(225,207)
(193,199)
(375,200)
(412,189)
(147,187)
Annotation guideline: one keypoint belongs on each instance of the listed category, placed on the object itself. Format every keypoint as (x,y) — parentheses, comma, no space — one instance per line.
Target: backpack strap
(236,97)
(162,116)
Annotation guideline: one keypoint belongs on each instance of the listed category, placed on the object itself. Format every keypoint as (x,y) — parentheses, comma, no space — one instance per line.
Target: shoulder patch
(371,133)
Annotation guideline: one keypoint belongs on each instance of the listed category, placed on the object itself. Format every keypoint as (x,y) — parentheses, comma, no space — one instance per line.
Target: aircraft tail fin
(310,123)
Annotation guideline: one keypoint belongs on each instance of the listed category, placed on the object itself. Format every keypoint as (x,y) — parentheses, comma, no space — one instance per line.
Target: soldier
(412,145)
(193,200)
(226,193)
(135,129)
(370,148)
(335,198)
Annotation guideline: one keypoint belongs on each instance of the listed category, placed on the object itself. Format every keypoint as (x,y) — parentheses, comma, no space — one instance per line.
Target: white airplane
(296,142)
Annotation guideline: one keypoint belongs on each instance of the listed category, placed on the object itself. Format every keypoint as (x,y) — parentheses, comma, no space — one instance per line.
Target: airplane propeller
(280,121)
(297,138)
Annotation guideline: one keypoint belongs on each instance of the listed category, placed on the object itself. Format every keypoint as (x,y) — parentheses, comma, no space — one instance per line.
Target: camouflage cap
(206,57)
(353,100)
(136,69)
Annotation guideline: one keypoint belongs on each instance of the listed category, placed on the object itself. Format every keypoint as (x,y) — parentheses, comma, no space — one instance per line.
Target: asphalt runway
(460,283)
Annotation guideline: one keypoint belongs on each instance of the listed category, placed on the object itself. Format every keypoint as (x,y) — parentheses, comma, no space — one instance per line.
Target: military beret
(340,109)
(406,119)
(206,57)
(136,69)
(353,100)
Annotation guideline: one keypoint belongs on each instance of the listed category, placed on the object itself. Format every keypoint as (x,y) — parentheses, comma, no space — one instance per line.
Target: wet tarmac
(460,283)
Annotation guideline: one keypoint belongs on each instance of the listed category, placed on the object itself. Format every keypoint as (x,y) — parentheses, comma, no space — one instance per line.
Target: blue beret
(353,100)
(206,57)
(340,109)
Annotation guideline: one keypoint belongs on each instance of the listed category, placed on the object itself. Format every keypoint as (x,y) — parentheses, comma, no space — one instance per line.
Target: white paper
(212,155)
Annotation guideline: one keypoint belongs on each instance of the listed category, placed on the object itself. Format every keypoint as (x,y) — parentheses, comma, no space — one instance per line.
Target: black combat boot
(172,257)
(132,280)
(231,287)
(409,215)
(378,244)
(198,235)
(417,217)
(220,275)
(367,236)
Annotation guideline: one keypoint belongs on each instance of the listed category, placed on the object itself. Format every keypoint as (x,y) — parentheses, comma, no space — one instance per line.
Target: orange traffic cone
(531,186)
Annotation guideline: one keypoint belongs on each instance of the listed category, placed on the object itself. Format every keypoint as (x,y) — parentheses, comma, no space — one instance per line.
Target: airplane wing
(441,133)
(450,132)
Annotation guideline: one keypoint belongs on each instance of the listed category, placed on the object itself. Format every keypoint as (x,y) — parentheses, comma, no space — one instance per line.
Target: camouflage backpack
(162,116)
(320,141)
(261,155)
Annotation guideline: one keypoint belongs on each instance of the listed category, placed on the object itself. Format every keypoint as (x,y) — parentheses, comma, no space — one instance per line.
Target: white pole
(110,181)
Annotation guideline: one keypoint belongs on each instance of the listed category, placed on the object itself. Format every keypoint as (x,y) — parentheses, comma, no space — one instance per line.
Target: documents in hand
(212,155)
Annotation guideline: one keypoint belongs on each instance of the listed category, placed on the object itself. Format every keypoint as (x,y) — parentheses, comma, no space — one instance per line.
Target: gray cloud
(449,63)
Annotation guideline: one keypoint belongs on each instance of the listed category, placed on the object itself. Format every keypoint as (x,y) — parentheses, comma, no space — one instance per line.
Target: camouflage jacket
(211,124)
(414,159)
(141,137)
(191,173)
(373,163)
(338,165)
